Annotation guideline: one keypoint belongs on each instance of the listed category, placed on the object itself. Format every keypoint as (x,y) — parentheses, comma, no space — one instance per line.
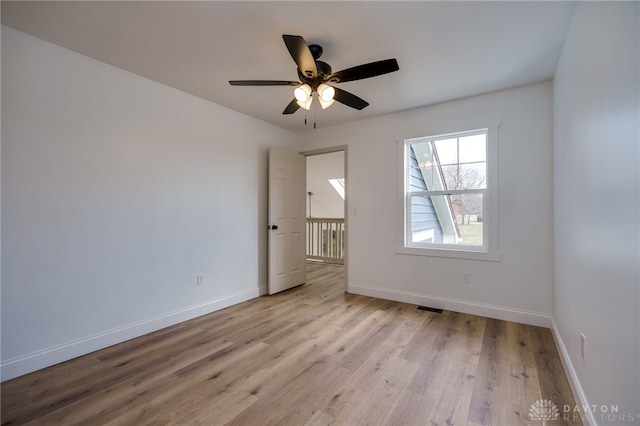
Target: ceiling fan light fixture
(303,94)
(325,104)
(326,92)
(305,105)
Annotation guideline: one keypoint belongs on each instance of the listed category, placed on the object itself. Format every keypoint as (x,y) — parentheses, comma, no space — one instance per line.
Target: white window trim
(489,252)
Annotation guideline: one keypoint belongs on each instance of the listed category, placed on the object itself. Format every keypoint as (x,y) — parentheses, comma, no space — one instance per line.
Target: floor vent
(427,308)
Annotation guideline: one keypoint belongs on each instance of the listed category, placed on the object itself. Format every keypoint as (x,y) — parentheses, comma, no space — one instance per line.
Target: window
(338,185)
(445,192)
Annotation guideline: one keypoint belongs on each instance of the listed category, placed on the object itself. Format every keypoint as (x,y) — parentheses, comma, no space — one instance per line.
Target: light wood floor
(310,356)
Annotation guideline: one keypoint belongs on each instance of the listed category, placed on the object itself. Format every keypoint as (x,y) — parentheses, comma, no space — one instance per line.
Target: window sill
(451,253)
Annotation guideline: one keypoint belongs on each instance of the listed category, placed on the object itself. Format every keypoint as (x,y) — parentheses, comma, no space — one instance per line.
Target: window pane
(472,176)
(469,212)
(416,162)
(424,154)
(432,179)
(447,150)
(464,176)
(447,219)
(423,171)
(473,148)
(425,224)
(451,176)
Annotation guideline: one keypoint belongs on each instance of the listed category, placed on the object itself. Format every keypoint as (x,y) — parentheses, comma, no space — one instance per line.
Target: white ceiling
(445,50)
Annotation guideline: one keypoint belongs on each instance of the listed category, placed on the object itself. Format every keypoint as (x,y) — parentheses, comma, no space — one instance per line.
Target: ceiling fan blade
(349,99)
(263,83)
(301,54)
(292,107)
(372,69)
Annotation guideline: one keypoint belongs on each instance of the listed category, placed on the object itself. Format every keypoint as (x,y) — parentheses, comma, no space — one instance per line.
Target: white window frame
(489,250)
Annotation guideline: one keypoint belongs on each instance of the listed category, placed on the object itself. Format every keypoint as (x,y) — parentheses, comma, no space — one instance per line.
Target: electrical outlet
(583,338)
(465,278)
(199,280)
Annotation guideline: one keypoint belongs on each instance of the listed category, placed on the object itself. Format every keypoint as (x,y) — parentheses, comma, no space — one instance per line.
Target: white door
(287,220)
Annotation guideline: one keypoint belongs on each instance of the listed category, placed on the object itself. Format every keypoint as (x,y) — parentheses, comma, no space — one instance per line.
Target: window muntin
(445,191)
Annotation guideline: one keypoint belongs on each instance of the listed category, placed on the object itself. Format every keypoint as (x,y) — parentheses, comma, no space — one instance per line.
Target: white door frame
(344,149)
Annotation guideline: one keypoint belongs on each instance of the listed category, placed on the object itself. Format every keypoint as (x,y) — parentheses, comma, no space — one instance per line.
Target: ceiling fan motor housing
(323,69)
(316,50)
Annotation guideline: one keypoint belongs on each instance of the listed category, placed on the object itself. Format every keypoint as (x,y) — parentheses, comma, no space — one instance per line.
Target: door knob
(273,228)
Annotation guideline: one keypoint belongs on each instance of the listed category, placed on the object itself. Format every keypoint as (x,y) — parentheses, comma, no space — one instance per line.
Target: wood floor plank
(456,382)
(554,385)
(422,343)
(467,344)
(80,388)
(163,402)
(490,392)
(319,418)
(521,344)
(524,390)
(411,409)
(110,398)
(378,393)
(291,399)
(311,355)
(382,378)
(410,323)
(445,337)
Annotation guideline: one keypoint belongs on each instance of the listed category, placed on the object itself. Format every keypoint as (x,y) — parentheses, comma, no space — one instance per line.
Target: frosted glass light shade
(326,92)
(305,105)
(302,93)
(325,104)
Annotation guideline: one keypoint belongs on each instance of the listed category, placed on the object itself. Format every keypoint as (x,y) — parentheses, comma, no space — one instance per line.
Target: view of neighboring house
(427,220)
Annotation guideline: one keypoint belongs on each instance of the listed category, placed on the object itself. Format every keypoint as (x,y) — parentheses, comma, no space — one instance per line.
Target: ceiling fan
(316,77)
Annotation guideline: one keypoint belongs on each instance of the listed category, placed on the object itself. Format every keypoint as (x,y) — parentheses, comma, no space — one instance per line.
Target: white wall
(519,286)
(325,201)
(116,192)
(596,214)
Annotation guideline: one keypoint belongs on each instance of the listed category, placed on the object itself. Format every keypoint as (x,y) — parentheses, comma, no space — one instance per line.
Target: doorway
(326,192)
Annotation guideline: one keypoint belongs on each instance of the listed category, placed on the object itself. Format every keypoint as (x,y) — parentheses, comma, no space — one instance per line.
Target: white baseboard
(491,311)
(570,372)
(44,358)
